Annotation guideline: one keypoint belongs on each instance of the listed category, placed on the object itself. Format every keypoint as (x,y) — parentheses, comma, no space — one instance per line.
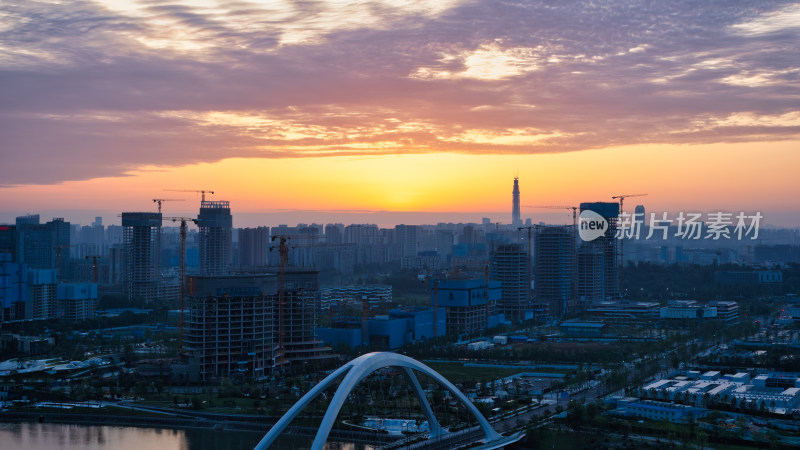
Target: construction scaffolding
(296,317)
(231,335)
(230,326)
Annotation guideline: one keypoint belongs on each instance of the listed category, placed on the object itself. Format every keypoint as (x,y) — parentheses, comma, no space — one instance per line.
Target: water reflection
(52,436)
(55,436)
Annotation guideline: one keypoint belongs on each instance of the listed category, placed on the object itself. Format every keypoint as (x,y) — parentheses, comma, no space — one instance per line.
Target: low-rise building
(471,304)
(654,410)
(625,312)
(388,332)
(778,393)
(578,328)
(727,311)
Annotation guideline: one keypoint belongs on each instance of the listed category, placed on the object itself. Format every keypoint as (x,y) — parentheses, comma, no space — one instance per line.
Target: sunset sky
(345,108)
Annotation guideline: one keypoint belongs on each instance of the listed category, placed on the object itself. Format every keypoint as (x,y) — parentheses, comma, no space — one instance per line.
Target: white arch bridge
(358,369)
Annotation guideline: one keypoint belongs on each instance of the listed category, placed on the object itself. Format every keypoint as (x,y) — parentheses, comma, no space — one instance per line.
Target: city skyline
(398,110)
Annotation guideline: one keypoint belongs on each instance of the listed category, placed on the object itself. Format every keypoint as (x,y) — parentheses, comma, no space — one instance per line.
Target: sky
(398,110)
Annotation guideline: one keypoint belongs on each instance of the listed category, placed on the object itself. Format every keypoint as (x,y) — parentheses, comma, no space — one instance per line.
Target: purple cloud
(87,91)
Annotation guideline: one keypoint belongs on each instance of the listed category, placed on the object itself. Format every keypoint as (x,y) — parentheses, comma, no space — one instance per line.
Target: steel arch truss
(355,371)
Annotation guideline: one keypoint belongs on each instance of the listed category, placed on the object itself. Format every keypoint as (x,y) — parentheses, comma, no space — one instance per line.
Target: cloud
(99,89)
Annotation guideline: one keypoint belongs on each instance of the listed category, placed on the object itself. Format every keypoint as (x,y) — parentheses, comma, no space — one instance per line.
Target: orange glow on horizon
(710,177)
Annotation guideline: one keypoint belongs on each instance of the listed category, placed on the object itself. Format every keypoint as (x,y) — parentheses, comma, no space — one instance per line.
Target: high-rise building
(598,270)
(638,213)
(229,328)
(42,294)
(295,316)
(216,237)
(590,283)
(511,267)
(253,246)
(141,261)
(554,268)
(43,246)
(13,288)
(407,240)
(8,243)
(77,301)
(29,219)
(333,233)
(516,218)
(247,325)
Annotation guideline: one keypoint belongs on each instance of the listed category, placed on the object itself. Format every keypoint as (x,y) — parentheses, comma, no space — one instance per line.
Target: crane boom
(161,200)
(622,241)
(183,272)
(202,192)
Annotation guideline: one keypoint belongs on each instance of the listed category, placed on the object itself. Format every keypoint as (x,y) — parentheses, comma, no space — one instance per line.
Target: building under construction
(470,305)
(141,261)
(511,267)
(246,325)
(554,268)
(229,328)
(216,237)
(598,270)
(295,317)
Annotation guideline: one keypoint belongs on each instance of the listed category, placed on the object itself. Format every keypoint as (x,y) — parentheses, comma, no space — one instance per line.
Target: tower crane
(573,208)
(183,221)
(160,200)
(623,197)
(58,249)
(530,264)
(574,242)
(202,192)
(283,253)
(622,241)
(94,266)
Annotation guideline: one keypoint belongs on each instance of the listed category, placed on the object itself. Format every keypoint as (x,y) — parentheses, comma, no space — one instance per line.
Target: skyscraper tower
(216,237)
(516,220)
(142,267)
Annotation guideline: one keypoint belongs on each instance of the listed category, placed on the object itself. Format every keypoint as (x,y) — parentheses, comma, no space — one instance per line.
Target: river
(58,436)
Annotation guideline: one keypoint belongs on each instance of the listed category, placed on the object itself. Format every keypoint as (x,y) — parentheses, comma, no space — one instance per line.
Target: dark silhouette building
(554,269)
(516,218)
(141,260)
(216,237)
(511,267)
(598,269)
